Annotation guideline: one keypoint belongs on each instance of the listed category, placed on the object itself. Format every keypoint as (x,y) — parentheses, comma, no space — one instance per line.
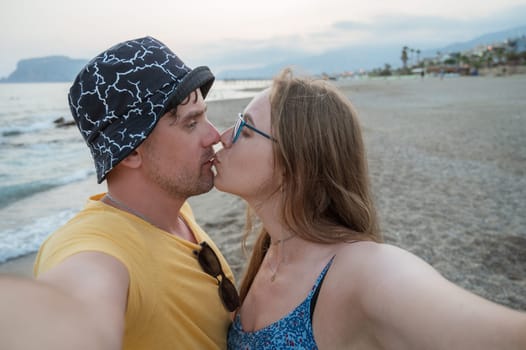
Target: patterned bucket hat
(118,97)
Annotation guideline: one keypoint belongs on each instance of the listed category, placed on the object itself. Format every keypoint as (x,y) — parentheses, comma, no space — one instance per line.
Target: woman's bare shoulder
(377,256)
(372,264)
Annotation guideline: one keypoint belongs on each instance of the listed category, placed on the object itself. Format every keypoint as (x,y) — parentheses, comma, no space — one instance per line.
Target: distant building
(518,45)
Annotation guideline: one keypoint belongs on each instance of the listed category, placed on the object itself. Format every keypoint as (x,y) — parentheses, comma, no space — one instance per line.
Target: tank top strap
(317,286)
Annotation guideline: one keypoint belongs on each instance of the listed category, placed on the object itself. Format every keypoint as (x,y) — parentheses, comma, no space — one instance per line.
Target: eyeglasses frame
(240,123)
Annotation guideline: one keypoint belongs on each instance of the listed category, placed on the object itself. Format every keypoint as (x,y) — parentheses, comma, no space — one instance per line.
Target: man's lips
(209,159)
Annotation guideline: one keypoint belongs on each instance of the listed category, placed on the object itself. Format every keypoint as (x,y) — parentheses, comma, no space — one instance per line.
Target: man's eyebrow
(193,114)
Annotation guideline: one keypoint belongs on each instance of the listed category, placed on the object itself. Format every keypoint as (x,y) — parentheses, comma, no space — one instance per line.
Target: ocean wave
(25,129)
(27,239)
(12,193)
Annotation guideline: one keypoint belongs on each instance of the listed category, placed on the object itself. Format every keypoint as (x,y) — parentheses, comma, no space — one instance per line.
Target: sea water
(44,168)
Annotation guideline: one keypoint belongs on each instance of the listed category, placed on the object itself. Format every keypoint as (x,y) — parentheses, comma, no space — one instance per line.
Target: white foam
(27,239)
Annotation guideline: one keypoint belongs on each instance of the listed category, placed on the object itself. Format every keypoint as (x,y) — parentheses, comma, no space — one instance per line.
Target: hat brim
(199,78)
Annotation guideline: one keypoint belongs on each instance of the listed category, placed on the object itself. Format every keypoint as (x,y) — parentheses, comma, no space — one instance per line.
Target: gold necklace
(273,277)
(275,271)
(282,240)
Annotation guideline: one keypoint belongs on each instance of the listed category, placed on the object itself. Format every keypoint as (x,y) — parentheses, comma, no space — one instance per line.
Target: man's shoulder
(93,229)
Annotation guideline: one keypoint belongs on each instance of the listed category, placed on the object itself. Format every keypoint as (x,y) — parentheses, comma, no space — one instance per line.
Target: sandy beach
(447,160)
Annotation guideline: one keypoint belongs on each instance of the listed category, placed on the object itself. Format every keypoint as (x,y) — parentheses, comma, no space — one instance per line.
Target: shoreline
(447,166)
(20,266)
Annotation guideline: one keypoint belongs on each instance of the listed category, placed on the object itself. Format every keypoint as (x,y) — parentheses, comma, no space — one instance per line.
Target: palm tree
(476,61)
(412,56)
(439,57)
(488,58)
(464,59)
(499,52)
(404,57)
(418,56)
(455,56)
(386,71)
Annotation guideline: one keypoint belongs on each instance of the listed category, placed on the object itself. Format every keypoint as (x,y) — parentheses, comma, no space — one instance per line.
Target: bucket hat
(118,97)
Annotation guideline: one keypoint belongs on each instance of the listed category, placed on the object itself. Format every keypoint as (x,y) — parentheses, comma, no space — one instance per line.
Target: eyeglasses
(240,123)
(211,265)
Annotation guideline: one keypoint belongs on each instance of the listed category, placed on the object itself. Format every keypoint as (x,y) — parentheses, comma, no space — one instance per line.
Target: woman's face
(246,167)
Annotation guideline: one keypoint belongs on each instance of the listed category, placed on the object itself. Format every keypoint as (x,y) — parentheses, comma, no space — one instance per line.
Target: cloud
(427,30)
(231,29)
(381,37)
(423,31)
(349,25)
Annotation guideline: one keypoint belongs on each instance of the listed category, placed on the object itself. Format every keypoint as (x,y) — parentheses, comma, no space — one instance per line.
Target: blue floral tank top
(292,331)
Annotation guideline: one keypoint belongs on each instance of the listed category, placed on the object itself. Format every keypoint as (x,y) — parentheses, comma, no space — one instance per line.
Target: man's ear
(132,160)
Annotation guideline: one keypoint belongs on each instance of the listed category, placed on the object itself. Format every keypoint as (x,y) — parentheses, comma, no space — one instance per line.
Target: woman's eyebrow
(248,118)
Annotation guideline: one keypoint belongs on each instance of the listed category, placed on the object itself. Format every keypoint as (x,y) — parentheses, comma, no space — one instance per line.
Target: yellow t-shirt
(172,302)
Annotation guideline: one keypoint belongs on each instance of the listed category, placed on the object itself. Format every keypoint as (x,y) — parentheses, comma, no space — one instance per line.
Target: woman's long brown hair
(325,190)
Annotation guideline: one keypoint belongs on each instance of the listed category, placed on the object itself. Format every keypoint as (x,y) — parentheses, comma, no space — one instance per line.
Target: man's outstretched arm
(79,304)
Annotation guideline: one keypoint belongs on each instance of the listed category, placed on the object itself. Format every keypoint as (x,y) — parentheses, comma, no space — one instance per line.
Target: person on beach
(132,270)
(320,275)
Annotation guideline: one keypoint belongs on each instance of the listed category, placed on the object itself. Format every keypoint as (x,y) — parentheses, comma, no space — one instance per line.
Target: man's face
(177,154)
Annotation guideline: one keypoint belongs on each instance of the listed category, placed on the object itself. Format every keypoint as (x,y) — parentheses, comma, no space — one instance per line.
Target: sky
(213,32)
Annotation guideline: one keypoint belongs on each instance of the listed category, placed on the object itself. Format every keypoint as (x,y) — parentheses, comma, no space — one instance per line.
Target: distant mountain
(348,58)
(486,39)
(46,69)
(351,58)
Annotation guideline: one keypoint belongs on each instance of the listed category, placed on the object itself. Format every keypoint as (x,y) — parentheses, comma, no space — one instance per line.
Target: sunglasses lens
(208,261)
(228,294)
(211,265)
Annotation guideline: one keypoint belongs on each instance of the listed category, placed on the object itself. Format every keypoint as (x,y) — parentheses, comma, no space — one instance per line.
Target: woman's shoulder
(377,255)
(353,285)
(356,253)
(370,263)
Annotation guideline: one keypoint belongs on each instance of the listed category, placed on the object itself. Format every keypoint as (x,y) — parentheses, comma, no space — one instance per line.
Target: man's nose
(226,138)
